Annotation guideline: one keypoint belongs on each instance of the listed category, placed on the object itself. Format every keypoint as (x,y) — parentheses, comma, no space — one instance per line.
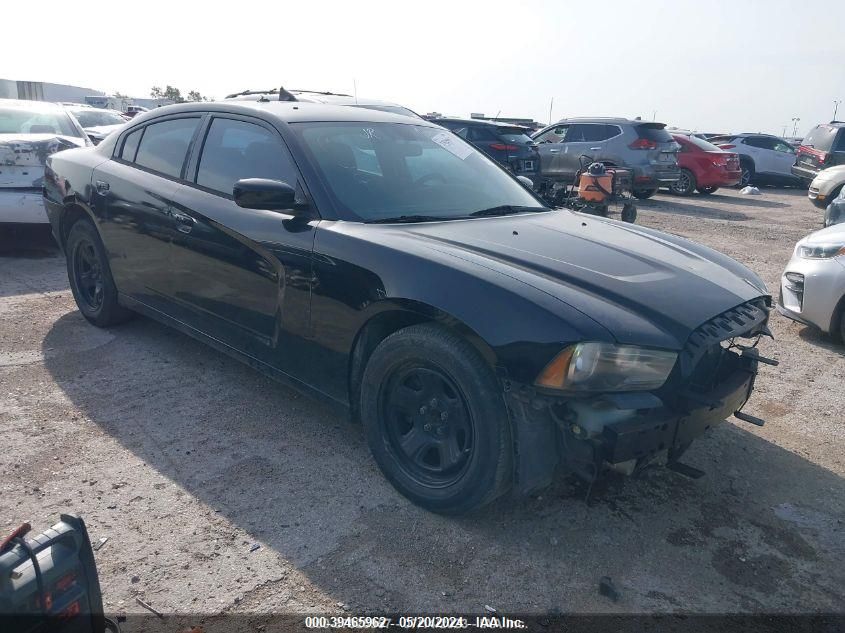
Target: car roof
(287,111)
(35,106)
(449,119)
(607,119)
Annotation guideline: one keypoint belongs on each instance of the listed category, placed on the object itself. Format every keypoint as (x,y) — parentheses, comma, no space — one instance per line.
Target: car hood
(23,156)
(830,235)
(837,172)
(644,286)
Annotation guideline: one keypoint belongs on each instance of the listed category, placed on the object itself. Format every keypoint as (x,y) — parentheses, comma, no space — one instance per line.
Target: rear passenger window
(130,145)
(164,145)
(236,149)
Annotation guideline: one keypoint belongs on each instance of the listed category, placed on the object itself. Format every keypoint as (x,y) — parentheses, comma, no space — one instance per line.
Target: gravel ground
(185,459)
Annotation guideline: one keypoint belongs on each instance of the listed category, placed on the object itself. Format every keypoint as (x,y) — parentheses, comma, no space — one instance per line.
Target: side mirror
(263,193)
(526,182)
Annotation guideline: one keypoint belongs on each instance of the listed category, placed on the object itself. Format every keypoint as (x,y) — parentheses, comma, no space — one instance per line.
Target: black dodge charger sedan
(380,262)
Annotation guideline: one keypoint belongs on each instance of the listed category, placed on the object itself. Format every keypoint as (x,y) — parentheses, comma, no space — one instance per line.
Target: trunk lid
(23,156)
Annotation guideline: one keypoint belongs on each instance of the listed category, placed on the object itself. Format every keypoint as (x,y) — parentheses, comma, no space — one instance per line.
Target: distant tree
(120,95)
(194,95)
(169,92)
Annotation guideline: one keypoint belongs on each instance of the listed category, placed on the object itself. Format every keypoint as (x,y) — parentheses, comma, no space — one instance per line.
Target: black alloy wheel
(427,424)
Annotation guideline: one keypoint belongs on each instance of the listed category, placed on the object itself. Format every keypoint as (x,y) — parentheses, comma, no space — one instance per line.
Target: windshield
(93,117)
(701,143)
(821,137)
(515,135)
(20,121)
(386,170)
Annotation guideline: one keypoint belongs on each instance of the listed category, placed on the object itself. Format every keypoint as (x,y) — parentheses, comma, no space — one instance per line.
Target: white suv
(764,159)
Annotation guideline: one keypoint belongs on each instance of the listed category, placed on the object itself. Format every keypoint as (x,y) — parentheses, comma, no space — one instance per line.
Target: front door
(242,276)
(550,147)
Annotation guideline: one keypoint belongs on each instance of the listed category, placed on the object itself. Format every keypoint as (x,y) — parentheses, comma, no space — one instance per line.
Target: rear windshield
(513,135)
(654,132)
(721,140)
(821,138)
(702,144)
(93,117)
(18,121)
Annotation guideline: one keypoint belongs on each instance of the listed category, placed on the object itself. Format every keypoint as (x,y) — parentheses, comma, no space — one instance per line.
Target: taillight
(504,148)
(727,146)
(822,157)
(643,143)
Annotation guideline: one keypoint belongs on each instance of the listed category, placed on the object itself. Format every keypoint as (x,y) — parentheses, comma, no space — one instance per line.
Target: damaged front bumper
(626,431)
(554,434)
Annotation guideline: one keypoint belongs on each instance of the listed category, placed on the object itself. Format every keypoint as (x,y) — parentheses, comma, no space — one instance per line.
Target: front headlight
(607,367)
(820,251)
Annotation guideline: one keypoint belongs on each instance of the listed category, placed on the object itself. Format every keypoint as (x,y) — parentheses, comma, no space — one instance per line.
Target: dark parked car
(384,264)
(823,147)
(505,143)
(644,147)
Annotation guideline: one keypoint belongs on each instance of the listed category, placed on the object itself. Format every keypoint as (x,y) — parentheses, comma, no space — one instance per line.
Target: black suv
(823,147)
(505,143)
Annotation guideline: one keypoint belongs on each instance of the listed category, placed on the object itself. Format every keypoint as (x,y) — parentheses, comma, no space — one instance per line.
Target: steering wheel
(432,176)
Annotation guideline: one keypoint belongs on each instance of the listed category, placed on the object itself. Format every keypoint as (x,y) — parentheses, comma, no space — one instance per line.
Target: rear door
(133,197)
(761,150)
(242,276)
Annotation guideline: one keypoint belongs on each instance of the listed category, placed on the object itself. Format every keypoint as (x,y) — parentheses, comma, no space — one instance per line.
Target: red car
(704,167)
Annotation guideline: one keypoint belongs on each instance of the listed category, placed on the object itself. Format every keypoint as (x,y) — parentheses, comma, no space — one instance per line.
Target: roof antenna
(355,90)
(284,95)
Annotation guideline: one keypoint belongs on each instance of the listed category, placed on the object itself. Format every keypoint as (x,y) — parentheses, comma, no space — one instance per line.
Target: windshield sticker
(447,141)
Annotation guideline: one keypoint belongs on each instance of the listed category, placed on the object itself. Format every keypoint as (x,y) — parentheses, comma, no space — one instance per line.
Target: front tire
(436,421)
(90,276)
(685,184)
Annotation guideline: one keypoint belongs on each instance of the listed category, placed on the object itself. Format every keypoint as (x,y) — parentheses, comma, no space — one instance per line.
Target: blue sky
(740,65)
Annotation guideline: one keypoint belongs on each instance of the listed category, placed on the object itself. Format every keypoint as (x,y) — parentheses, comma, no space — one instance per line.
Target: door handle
(553,151)
(595,149)
(101,186)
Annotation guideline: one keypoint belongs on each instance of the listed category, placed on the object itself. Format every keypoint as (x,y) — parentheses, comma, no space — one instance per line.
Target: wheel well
(72,214)
(836,317)
(747,160)
(382,325)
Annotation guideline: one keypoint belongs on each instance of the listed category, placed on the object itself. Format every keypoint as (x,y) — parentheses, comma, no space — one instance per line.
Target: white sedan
(29,132)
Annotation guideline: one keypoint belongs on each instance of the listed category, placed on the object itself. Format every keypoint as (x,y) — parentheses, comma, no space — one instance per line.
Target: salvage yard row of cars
(485,340)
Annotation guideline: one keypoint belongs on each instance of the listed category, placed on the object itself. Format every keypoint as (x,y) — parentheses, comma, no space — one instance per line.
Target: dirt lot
(185,459)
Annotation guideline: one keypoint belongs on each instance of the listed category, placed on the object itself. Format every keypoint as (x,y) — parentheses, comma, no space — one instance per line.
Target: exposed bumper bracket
(745,417)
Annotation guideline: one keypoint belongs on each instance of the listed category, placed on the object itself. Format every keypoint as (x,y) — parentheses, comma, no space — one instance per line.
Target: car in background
(314,96)
(764,159)
(133,110)
(812,287)
(826,186)
(98,123)
(823,147)
(704,167)
(485,341)
(505,143)
(30,131)
(646,148)
(835,211)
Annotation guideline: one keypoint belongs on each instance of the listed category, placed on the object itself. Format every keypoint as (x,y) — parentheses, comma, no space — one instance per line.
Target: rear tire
(436,420)
(706,191)
(90,276)
(685,184)
(747,173)
(644,194)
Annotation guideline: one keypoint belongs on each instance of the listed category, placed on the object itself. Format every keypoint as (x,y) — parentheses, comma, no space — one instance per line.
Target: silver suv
(646,148)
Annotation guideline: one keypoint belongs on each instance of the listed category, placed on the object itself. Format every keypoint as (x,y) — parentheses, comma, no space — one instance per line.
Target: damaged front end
(590,433)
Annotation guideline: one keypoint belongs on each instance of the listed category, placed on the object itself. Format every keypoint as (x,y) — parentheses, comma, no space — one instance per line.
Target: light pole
(836,107)
(784,131)
(795,120)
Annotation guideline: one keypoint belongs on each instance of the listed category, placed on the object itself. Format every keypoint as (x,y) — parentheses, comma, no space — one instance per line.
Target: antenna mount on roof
(284,95)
